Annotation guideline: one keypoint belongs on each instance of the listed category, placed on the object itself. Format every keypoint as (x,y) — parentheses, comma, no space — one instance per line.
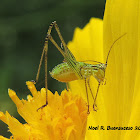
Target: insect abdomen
(63,73)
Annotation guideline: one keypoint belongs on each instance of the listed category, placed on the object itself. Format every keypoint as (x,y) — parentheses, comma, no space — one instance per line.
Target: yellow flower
(119,100)
(64,118)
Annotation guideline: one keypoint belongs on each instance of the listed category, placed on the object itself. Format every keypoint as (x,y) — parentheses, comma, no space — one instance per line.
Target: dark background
(23,27)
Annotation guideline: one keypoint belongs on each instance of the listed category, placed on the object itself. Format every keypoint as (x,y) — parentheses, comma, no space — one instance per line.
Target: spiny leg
(90,88)
(55,44)
(87,95)
(58,32)
(96,96)
(66,50)
(39,67)
(91,93)
(45,50)
(46,84)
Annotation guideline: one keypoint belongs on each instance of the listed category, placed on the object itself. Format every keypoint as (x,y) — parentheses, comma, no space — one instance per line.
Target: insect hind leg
(57,30)
(44,52)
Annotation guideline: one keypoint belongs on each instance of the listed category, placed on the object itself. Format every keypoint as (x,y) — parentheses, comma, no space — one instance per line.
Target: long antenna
(113,45)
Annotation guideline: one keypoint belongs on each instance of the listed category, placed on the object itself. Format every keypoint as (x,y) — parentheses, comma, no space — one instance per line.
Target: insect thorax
(97,70)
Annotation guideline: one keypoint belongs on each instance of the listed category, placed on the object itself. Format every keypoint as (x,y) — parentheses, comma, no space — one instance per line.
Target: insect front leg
(90,88)
(96,97)
(87,95)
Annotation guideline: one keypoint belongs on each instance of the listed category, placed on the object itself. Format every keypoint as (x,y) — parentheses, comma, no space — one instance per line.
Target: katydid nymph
(71,69)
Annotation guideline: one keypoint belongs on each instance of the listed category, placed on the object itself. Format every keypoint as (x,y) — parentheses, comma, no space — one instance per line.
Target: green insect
(71,69)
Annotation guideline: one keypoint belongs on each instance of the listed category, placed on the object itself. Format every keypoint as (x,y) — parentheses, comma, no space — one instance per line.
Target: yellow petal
(87,39)
(123,70)
(15,99)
